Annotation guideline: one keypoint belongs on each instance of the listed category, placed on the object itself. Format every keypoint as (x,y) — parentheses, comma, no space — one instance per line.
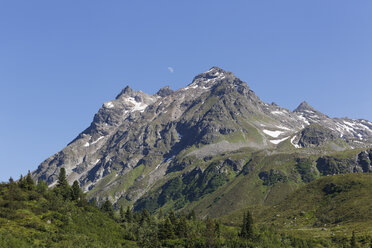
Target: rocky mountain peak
(213,73)
(208,79)
(165,91)
(303,107)
(156,135)
(127,91)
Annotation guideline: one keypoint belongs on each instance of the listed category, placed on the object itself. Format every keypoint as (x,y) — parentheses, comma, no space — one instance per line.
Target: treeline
(33,215)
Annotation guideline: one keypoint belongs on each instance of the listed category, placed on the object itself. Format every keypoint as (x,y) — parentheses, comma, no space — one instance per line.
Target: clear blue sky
(60,60)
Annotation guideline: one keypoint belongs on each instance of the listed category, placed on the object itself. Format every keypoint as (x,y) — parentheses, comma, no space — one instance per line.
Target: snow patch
(284,128)
(303,119)
(138,106)
(309,111)
(345,128)
(191,86)
(86,144)
(295,145)
(278,140)
(349,124)
(273,134)
(97,140)
(108,105)
(364,126)
(276,112)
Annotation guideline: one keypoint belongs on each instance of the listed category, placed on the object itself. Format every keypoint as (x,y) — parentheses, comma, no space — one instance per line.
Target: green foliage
(107,208)
(189,187)
(40,217)
(62,187)
(272,177)
(76,192)
(331,166)
(306,170)
(53,221)
(332,189)
(129,215)
(246,231)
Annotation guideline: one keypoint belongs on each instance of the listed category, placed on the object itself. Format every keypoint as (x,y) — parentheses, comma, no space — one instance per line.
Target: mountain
(212,146)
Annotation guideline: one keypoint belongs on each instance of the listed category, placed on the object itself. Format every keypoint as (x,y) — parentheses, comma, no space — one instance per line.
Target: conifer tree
(247,226)
(22,182)
(62,187)
(166,230)
(160,214)
(76,192)
(181,227)
(122,214)
(41,187)
(129,215)
(145,216)
(62,180)
(107,208)
(172,217)
(30,184)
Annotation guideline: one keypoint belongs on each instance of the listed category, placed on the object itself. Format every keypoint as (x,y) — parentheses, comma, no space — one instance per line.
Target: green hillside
(34,216)
(337,202)
(324,213)
(329,208)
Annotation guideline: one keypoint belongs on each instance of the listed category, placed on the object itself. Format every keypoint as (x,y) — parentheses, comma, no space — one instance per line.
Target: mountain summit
(177,147)
(304,106)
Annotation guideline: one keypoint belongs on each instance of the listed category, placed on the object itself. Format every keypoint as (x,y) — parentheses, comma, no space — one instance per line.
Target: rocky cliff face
(137,141)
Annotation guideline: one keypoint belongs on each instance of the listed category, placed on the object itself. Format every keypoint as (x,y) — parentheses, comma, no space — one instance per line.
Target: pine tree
(160,214)
(247,226)
(122,214)
(129,215)
(166,230)
(145,216)
(62,180)
(22,182)
(62,188)
(181,227)
(172,217)
(76,192)
(41,187)
(30,184)
(107,208)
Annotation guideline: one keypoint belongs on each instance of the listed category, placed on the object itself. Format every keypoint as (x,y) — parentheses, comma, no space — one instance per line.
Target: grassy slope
(331,206)
(40,219)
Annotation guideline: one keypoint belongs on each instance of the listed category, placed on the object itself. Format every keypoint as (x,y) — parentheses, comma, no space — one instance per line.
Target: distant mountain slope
(328,201)
(198,141)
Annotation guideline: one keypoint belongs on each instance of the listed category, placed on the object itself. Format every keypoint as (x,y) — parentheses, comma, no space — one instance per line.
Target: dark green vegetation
(216,186)
(35,216)
(321,214)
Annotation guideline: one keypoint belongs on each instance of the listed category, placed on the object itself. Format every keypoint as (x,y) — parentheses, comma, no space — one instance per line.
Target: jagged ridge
(138,140)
